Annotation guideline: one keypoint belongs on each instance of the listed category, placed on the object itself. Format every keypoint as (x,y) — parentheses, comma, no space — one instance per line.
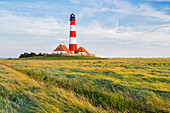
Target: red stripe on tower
(72,39)
(72,33)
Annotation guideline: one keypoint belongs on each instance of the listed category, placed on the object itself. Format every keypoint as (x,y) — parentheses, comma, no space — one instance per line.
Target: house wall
(82,53)
(66,54)
(60,52)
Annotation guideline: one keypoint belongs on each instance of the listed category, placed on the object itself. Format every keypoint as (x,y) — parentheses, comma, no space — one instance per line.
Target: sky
(107,28)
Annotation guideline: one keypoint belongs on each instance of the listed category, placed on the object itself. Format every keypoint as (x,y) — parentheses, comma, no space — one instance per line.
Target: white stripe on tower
(72,40)
(72,28)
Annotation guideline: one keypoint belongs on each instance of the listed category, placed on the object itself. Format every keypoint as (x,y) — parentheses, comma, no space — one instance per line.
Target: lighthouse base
(54,54)
(73,47)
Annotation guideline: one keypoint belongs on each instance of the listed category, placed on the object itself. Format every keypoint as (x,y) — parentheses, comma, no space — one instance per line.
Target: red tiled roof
(62,47)
(81,49)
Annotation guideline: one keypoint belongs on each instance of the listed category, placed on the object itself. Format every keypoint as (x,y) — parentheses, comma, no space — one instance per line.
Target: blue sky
(104,27)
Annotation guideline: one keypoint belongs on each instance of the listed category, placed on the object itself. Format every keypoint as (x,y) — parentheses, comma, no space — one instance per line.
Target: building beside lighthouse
(62,50)
(82,50)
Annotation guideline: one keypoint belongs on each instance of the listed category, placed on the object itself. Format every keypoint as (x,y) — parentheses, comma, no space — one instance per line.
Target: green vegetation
(61,58)
(32,54)
(103,85)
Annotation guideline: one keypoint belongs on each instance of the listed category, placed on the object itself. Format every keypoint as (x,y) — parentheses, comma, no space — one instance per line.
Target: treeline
(32,54)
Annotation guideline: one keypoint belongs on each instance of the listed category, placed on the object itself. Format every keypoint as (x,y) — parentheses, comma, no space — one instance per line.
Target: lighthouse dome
(72,16)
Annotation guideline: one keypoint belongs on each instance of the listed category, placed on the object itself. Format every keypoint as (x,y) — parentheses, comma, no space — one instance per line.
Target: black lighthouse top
(72,17)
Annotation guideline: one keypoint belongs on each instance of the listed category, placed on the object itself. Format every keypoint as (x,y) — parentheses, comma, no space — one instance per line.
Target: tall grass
(20,93)
(112,85)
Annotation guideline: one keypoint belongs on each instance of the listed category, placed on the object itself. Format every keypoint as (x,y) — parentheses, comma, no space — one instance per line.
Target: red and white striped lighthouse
(72,39)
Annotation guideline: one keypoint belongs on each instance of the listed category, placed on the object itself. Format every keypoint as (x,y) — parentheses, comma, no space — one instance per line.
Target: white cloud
(158,35)
(146,10)
(126,8)
(75,1)
(34,26)
(160,0)
(167,8)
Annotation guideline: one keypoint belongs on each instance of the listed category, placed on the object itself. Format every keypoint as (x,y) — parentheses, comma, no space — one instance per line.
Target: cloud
(12,24)
(167,8)
(75,1)
(126,8)
(157,35)
(159,0)
(146,10)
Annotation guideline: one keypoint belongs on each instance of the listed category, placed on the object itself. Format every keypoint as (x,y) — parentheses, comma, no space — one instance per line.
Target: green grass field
(92,85)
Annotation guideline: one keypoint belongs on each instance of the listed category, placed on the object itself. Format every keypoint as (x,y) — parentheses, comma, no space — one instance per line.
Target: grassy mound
(61,58)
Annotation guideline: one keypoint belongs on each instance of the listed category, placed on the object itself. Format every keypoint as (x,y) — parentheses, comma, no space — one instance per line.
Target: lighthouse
(72,38)
(62,50)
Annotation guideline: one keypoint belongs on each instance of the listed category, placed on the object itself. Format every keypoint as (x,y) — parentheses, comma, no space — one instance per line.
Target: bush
(32,54)
(40,54)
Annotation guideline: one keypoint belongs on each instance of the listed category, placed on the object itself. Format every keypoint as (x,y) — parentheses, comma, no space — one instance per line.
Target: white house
(82,50)
(62,49)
